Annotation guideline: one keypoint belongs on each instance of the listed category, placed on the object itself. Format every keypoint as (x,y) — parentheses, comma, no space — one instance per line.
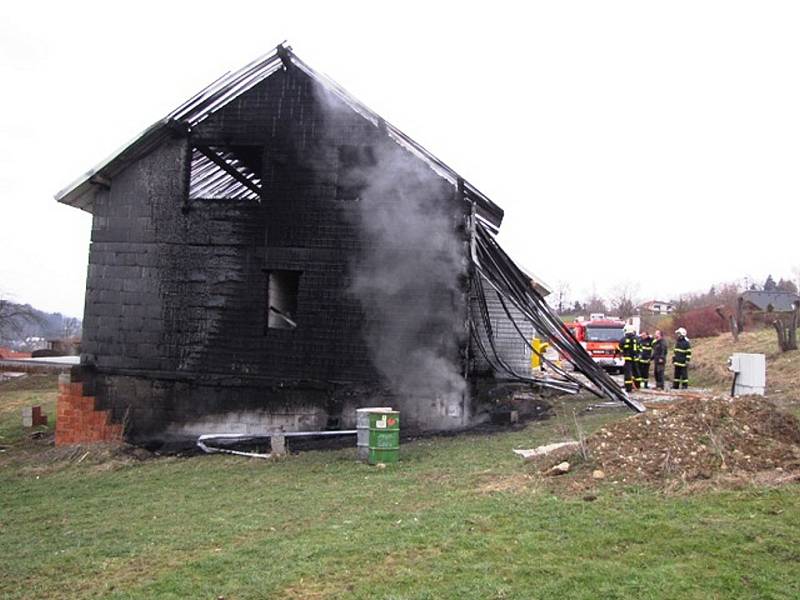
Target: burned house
(272,255)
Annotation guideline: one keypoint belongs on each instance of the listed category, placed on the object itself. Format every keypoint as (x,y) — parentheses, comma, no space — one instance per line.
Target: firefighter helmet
(681,331)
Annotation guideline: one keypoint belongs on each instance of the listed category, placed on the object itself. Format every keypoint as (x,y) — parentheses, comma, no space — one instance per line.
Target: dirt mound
(696,439)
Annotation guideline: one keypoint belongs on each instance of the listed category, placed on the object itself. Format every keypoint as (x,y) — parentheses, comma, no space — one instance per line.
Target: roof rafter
(214,157)
(231,85)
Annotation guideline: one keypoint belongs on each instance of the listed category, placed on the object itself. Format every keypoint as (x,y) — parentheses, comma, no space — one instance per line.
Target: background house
(657,307)
(775,301)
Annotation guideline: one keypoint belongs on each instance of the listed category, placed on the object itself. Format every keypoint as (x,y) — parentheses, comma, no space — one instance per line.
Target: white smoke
(408,275)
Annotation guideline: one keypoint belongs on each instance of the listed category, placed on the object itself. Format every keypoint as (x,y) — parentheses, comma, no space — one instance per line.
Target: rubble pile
(696,439)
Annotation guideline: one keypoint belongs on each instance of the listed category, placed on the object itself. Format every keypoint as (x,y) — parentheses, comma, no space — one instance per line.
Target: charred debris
(512,288)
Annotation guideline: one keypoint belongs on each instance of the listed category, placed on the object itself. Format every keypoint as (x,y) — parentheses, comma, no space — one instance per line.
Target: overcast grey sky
(651,143)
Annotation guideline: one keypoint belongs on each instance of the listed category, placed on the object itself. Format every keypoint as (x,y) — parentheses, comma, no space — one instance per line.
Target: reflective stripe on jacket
(682,353)
(647,349)
(629,347)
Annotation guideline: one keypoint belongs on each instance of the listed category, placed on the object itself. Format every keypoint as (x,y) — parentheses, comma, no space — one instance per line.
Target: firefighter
(629,348)
(645,355)
(681,356)
(659,359)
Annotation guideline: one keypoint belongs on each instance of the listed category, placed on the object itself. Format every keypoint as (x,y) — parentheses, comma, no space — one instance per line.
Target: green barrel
(362,429)
(384,436)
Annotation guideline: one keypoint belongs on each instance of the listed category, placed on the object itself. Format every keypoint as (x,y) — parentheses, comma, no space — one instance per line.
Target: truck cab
(600,337)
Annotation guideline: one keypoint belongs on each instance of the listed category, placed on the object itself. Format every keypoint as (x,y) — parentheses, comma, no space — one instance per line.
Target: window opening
(225,173)
(282,287)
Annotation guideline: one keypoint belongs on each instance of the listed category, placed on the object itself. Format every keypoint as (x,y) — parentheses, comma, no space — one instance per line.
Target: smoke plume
(408,274)
(407,277)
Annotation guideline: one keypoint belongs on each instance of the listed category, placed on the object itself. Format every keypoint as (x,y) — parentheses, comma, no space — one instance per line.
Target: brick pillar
(77,421)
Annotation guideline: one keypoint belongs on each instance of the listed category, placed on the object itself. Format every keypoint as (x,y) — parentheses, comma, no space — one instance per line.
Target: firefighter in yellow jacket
(680,358)
(629,348)
(645,356)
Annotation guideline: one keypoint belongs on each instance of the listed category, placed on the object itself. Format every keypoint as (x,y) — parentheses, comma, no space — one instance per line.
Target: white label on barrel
(382,423)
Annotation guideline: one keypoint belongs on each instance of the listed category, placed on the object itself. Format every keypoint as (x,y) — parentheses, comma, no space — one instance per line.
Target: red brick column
(77,421)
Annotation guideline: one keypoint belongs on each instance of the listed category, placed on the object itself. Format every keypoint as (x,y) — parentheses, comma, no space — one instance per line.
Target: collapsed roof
(194,111)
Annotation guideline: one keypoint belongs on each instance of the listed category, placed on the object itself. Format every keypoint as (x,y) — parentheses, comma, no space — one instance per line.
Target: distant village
(28,332)
(702,314)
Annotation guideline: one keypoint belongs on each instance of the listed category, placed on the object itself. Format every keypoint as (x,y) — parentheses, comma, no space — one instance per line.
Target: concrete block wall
(129,256)
(175,324)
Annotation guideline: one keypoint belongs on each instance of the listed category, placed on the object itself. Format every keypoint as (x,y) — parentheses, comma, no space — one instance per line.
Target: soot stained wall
(175,320)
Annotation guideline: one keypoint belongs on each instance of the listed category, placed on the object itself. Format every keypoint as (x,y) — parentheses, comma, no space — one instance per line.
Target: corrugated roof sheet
(81,192)
(210,181)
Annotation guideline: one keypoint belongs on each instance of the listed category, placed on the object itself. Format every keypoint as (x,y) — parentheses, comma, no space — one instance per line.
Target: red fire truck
(600,336)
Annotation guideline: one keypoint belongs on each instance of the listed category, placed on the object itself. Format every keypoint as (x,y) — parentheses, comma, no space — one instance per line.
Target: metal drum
(362,429)
(384,437)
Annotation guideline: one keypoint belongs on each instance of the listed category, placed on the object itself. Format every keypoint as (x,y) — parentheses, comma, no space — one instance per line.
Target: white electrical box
(750,373)
(637,323)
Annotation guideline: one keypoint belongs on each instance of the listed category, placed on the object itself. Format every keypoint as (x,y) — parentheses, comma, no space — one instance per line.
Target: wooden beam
(285,55)
(101,181)
(215,158)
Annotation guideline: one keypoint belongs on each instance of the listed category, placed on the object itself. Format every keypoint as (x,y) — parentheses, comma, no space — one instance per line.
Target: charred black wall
(175,325)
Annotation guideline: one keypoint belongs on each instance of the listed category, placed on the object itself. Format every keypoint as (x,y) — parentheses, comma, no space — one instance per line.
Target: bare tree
(562,293)
(595,304)
(786,285)
(72,327)
(729,319)
(622,300)
(787,330)
(13,315)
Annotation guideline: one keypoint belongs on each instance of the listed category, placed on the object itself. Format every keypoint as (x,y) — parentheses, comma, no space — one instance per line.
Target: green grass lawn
(458,517)
(17,394)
